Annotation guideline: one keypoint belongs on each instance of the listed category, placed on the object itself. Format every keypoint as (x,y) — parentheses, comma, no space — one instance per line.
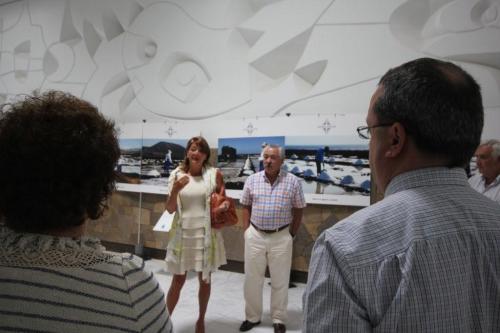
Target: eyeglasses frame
(368,128)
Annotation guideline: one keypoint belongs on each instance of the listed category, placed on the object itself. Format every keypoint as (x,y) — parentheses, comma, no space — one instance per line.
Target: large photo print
(333,169)
(238,158)
(149,161)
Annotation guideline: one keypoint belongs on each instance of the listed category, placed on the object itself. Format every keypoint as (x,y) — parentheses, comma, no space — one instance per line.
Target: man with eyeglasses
(487,181)
(426,258)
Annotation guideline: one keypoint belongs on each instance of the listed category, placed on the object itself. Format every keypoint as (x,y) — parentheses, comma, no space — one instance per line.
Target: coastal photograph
(238,158)
(333,169)
(149,161)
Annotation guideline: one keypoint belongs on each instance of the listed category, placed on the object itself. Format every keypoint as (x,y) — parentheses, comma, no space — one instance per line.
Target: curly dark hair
(57,161)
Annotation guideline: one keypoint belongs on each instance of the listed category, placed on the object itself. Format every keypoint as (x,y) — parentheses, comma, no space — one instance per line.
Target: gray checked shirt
(424,259)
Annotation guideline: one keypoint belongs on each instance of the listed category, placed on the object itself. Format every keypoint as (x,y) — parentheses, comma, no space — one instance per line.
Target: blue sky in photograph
(332,141)
(130,143)
(250,145)
(136,143)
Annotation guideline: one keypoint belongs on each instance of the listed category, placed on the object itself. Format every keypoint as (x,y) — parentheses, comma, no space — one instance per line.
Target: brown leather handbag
(219,217)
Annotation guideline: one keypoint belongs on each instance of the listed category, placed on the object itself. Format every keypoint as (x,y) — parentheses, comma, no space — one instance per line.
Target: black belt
(270,231)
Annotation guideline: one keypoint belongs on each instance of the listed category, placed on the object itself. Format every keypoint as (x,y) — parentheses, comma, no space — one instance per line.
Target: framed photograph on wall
(149,161)
(333,169)
(128,169)
(238,158)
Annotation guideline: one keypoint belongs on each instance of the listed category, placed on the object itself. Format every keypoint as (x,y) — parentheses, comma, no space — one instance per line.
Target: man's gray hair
(280,149)
(495,145)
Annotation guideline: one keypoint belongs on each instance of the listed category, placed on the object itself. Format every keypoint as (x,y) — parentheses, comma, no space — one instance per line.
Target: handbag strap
(220,188)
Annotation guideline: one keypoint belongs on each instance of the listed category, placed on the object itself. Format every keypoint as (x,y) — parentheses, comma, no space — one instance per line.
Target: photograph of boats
(333,169)
(238,158)
(149,161)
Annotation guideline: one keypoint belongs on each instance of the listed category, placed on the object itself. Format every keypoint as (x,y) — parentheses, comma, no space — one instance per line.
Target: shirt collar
(493,183)
(280,175)
(435,176)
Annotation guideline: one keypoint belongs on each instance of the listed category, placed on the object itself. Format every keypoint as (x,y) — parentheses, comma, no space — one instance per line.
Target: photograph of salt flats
(333,169)
(344,173)
(149,161)
(238,158)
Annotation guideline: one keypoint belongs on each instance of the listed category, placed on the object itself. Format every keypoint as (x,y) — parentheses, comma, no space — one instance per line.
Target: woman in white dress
(193,244)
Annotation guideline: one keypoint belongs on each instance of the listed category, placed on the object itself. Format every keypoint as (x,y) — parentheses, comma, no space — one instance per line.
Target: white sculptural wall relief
(464,31)
(186,60)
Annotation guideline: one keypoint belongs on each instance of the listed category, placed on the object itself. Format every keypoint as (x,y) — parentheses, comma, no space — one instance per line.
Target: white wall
(236,67)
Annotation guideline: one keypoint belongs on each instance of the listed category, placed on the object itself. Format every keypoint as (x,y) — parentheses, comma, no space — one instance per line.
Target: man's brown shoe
(279,328)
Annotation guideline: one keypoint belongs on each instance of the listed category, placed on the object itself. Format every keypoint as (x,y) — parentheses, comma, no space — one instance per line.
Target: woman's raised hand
(180,183)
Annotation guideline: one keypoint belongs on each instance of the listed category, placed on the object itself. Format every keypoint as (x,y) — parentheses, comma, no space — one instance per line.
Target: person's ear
(397,138)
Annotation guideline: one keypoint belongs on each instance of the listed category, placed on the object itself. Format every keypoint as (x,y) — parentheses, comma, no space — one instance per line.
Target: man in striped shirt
(427,257)
(272,201)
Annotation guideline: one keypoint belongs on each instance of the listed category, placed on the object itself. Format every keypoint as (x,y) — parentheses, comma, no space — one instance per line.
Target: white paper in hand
(165,222)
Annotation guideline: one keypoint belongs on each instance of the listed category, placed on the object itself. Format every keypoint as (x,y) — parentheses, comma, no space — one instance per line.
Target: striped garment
(272,205)
(424,259)
(54,284)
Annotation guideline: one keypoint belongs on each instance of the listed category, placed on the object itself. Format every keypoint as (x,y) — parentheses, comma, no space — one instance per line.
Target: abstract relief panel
(186,60)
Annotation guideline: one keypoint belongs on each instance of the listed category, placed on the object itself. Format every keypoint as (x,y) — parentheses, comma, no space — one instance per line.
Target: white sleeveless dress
(192,223)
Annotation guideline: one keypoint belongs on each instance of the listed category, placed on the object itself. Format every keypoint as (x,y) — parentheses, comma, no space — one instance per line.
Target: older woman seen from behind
(57,160)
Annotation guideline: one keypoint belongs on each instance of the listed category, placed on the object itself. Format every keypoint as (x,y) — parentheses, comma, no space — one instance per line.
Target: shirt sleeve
(329,302)
(147,298)
(299,200)
(246,196)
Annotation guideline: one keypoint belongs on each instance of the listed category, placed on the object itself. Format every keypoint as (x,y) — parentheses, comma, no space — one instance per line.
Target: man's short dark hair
(439,105)
(57,160)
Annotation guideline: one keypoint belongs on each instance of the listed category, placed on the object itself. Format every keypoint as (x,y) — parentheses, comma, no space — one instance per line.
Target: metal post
(139,247)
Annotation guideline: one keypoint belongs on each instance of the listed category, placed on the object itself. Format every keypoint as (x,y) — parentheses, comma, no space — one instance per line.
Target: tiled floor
(226,307)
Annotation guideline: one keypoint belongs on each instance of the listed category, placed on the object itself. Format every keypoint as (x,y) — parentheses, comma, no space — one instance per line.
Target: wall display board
(149,161)
(149,152)
(344,174)
(239,158)
(334,170)
(128,169)
(342,162)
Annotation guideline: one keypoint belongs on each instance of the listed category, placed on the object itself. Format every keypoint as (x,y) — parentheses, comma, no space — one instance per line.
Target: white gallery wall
(233,68)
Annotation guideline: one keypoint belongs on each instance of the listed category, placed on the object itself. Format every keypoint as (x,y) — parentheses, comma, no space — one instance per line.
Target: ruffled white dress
(192,227)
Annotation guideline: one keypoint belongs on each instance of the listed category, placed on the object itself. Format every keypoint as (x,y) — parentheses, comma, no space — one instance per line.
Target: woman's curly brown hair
(57,161)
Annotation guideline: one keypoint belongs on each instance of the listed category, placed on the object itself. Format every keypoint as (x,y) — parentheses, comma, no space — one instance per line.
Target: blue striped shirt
(424,259)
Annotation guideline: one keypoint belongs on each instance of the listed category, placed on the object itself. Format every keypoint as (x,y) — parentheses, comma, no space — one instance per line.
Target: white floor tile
(226,309)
